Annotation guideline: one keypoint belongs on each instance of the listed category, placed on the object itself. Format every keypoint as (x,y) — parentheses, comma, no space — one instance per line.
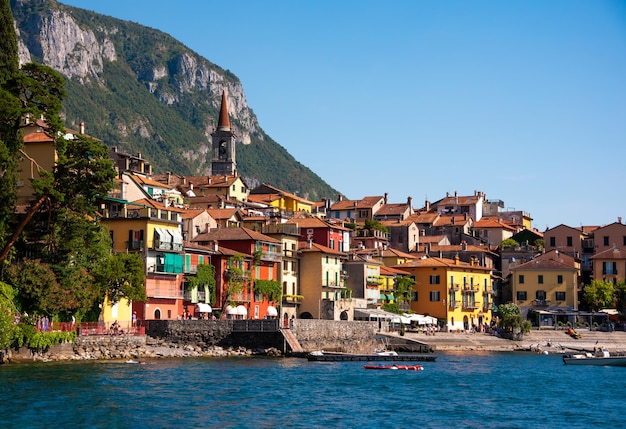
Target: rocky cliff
(141,90)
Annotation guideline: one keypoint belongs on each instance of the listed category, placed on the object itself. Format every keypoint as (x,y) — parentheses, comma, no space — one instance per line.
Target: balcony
(541,302)
(455,304)
(164,293)
(471,306)
(454,288)
(293,299)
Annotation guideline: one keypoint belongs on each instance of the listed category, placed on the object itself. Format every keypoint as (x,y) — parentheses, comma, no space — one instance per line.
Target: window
(559,279)
(521,295)
(569,241)
(606,240)
(434,280)
(243,190)
(540,295)
(609,268)
(434,296)
(285,265)
(540,279)
(332,243)
(521,279)
(414,296)
(234,188)
(560,296)
(552,241)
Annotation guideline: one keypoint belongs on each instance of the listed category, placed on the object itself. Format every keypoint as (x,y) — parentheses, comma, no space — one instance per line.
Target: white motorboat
(601,357)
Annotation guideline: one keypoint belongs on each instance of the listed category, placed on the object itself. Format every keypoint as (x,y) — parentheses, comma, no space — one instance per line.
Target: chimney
(138,154)
(339,197)
(409,201)
(169,177)
(386,196)
(464,245)
(81,128)
(619,219)
(427,205)
(456,260)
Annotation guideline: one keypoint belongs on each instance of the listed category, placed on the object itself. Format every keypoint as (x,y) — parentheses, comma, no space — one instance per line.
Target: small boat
(601,357)
(396,367)
(380,352)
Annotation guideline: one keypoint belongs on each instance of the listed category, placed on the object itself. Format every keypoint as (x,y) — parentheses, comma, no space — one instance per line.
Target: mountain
(141,90)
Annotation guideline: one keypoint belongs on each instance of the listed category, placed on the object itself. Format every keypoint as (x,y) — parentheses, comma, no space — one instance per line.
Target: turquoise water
(505,390)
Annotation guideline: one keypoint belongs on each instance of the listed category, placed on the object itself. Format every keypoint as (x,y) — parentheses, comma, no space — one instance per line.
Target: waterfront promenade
(550,340)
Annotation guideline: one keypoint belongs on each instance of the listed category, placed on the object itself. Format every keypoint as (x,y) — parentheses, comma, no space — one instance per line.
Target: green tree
(121,275)
(204,278)
(403,289)
(7,314)
(236,278)
(509,242)
(510,319)
(620,295)
(599,294)
(10,114)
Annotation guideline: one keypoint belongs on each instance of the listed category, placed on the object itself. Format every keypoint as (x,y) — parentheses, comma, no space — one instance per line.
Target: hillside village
(278,255)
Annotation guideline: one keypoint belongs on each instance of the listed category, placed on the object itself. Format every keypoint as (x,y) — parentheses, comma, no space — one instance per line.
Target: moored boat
(396,367)
(600,357)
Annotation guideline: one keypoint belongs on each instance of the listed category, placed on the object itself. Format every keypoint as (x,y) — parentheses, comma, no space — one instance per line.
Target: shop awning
(204,308)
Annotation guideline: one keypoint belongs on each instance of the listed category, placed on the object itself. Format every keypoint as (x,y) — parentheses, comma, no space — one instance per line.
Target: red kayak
(403,367)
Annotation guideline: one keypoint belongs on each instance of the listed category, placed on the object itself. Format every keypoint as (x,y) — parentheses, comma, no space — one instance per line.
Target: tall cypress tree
(9,60)
(10,113)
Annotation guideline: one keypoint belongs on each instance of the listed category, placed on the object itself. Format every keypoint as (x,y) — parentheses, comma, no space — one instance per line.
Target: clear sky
(522,100)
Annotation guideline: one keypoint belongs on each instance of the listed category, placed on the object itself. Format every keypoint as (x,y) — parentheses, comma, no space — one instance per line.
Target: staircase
(292,341)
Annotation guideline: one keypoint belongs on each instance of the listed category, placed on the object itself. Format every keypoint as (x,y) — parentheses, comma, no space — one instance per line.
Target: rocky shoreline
(145,347)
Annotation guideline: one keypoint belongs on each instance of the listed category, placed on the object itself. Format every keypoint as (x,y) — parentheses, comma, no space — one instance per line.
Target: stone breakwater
(120,347)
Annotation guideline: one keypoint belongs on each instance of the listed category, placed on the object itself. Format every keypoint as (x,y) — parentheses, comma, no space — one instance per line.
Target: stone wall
(180,338)
(331,335)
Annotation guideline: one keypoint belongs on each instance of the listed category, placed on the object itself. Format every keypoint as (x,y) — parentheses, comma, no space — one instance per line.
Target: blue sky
(522,100)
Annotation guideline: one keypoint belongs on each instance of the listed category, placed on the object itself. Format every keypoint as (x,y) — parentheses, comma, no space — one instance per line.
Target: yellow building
(458,292)
(547,282)
(322,283)
(281,200)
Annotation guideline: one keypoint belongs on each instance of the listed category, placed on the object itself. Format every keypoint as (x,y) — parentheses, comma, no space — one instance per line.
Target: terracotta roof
(552,260)
(192,213)
(445,220)
(279,193)
(218,214)
(614,253)
(304,247)
(37,138)
(157,205)
(440,262)
(389,252)
(234,234)
(491,222)
(392,209)
(365,203)
(390,271)
(314,222)
(150,182)
(464,200)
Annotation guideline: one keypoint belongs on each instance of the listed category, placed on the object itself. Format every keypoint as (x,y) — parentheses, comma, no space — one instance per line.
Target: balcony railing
(470,306)
(164,293)
(541,302)
(455,304)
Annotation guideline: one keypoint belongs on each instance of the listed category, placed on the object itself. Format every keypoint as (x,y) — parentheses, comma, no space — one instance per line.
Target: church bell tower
(223,145)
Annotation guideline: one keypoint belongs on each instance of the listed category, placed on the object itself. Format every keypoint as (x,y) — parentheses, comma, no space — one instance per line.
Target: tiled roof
(314,247)
(157,205)
(192,213)
(219,214)
(614,253)
(448,220)
(551,260)
(440,262)
(234,234)
(390,271)
(392,209)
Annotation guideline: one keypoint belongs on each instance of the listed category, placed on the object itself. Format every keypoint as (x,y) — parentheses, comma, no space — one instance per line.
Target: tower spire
(223,123)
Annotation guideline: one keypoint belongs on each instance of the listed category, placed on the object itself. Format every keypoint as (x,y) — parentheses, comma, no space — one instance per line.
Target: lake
(503,390)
